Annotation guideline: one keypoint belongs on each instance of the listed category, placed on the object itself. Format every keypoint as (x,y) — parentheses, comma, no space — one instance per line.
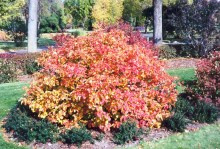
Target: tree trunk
(157,21)
(32,25)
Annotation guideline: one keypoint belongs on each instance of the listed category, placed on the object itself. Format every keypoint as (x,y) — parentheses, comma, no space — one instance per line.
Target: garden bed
(107,142)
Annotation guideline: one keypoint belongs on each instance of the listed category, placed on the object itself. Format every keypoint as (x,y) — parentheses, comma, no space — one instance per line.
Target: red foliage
(134,37)
(208,73)
(101,80)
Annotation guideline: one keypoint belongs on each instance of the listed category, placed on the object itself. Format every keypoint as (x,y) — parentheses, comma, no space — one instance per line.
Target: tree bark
(32,25)
(158,21)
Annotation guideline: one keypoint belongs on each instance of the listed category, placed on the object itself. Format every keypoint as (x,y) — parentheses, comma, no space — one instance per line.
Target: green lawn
(185,75)
(208,137)
(10,93)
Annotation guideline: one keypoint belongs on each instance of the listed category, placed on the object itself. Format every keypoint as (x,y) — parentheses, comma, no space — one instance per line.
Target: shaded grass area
(206,138)
(10,93)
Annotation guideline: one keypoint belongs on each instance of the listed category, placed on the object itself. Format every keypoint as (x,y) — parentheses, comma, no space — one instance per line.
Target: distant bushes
(13,65)
(167,52)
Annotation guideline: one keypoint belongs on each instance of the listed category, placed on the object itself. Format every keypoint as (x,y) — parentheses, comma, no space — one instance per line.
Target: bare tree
(158,21)
(32,25)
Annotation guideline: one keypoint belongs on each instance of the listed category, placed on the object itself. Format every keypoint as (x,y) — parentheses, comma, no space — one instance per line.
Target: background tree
(11,9)
(133,12)
(13,19)
(158,21)
(51,16)
(81,12)
(108,11)
(32,25)
(198,25)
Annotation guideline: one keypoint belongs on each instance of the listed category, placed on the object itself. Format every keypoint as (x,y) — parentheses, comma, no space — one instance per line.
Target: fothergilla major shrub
(101,80)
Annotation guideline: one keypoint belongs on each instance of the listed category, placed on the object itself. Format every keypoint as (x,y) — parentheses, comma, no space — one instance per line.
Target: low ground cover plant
(77,136)
(25,127)
(101,80)
(128,131)
(190,108)
(176,122)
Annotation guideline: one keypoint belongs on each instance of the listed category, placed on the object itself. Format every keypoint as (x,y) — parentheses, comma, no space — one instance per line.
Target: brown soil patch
(181,63)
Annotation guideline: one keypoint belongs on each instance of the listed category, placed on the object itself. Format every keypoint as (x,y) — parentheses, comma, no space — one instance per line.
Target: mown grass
(9,95)
(206,138)
(184,75)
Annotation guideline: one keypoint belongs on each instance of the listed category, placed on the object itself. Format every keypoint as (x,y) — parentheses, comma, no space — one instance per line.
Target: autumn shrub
(101,81)
(208,74)
(134,37)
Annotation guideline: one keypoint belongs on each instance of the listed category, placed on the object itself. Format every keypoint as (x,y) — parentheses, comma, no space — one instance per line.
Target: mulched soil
(181,63)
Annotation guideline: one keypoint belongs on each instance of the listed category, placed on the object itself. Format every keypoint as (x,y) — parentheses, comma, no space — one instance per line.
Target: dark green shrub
(195,109)
(204,112)
(177,122)
(27,128)
(128,131)
(77,136)
(184,106)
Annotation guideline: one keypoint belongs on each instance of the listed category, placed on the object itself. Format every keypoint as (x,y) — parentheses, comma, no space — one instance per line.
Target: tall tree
(80,11)
(157,21)
(108,11)
(32,25)
(11,9)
